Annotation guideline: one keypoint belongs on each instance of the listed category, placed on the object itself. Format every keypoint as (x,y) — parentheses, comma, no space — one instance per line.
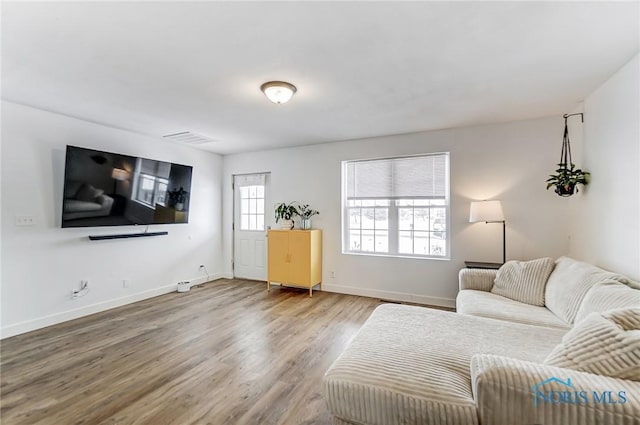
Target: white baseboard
(390,295)
(53,319)
(204,279)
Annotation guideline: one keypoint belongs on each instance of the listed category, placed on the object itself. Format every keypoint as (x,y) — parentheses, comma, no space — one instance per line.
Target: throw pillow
(88,193)
(607,295)
(524,281)
(603,343)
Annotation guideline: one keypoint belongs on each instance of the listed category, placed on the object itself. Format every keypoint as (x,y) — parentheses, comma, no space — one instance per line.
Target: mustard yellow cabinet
(295,258)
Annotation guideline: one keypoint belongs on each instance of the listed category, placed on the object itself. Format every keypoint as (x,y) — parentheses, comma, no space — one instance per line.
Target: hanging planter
(567,176)
(566,179)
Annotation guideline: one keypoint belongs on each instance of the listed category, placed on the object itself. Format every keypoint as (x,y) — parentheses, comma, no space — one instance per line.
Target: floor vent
(189,138)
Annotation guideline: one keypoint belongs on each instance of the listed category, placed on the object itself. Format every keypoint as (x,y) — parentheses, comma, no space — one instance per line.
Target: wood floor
(225,353)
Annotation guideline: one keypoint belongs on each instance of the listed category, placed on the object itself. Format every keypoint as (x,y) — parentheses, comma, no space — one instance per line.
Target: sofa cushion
(603,343)
(71,188)
(607,295)
(568,284)
(88,193)
(72,205)
(486,304)
(411,365)
(524,281)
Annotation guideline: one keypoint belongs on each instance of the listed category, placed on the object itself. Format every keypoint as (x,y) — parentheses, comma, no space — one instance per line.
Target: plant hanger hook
(565,155)
(565,116)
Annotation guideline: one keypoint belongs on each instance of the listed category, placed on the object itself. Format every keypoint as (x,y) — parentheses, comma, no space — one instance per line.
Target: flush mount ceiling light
(278,91)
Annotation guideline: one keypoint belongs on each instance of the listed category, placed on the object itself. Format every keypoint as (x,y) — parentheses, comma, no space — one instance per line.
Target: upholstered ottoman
(411,365)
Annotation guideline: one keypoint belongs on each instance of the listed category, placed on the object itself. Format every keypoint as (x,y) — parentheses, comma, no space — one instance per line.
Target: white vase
(306,223)
(179,206)
(286,224)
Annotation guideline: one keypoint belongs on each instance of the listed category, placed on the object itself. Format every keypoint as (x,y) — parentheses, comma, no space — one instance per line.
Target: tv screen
(110,189)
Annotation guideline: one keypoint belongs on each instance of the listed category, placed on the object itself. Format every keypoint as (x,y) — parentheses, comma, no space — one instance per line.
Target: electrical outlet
(333,275)
(126,283)
(25,220)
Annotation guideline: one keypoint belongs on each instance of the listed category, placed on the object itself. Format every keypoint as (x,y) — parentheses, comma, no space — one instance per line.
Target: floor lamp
(118,174)
(490,212)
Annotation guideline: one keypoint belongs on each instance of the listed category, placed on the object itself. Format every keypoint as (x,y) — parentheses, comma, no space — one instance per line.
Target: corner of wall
(605,229)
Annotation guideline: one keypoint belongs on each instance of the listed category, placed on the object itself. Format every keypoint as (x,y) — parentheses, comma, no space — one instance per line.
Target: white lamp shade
(278,91)
(119,174)
(486,211)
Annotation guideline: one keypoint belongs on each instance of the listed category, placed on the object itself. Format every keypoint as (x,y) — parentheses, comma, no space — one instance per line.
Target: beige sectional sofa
(82,200)
(488,363)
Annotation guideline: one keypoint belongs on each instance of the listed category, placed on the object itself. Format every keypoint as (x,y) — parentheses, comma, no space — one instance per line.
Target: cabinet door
(299,257)
(278,256)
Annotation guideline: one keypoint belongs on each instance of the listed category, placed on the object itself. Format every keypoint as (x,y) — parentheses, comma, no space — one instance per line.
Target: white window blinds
(154,168)
(419,177)
(243,180)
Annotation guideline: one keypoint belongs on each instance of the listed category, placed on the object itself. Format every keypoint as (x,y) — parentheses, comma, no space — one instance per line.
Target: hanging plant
(567,176)
(566,179)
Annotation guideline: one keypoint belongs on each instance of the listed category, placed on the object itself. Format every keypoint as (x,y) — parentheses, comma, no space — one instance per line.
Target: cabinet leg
(310,291)
(268,286)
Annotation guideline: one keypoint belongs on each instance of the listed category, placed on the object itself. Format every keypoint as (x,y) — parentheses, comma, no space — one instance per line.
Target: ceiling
(362,69)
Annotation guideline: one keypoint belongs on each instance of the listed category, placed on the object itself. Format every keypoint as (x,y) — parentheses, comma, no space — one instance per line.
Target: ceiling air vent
(189,138)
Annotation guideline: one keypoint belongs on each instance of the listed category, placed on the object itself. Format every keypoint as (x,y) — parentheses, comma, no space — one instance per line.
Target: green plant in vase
(286,213)
(177,198)
(305,212)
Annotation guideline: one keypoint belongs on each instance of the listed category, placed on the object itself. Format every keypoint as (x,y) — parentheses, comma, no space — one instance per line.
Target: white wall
(606,219)
(508,161)
(43,263)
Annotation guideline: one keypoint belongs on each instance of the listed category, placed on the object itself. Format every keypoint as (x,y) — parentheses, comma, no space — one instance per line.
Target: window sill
(144,204)
(404,256)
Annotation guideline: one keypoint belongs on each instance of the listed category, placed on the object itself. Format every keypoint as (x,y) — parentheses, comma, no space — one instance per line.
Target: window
(151,181)
(152,190)
(397,206)
(249,201)
(252,207)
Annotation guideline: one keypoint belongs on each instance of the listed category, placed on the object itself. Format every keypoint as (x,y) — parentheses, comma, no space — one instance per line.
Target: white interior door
(250,194)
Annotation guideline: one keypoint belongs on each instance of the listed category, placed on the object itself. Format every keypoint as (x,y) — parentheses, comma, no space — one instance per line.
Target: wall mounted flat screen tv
(110,189)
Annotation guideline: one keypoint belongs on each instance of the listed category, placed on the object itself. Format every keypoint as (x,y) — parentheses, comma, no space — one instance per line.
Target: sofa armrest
(508,391)
(478,279)
(105,201)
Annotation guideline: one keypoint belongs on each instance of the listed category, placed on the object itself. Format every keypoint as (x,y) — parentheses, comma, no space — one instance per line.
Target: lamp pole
(504,238)
(504,241)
